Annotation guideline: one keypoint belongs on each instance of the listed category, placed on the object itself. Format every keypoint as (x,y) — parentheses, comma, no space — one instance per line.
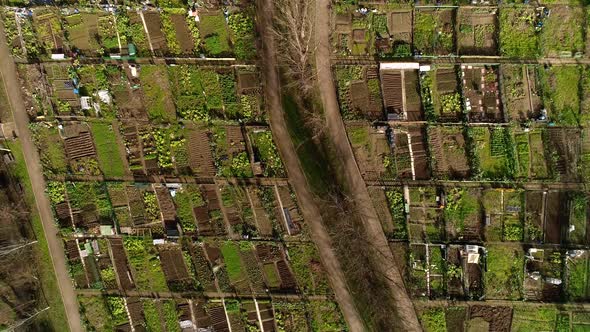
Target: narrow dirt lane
(356,184)
(21,120)
(307,201)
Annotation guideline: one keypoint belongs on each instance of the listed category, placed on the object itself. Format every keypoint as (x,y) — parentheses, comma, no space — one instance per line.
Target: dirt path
(307,201)
(56,251)
(337,133)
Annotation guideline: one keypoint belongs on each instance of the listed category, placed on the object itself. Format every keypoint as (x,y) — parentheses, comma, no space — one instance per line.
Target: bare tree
(294,21)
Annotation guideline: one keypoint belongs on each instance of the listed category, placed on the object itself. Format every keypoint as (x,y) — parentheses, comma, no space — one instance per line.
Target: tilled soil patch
(500,318)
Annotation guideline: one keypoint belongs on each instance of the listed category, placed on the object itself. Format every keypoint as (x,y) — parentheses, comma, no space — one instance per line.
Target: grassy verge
(5,115)
(309,154)
(56,313)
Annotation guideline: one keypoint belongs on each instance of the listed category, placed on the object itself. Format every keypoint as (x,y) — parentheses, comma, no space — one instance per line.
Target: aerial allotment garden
(468,124)
(165,178)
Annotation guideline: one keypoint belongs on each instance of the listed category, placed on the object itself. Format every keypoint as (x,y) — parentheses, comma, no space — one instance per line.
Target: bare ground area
(309,208)
(382,255)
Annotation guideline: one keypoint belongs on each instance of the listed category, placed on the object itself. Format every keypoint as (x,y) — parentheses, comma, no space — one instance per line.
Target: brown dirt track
(337,133)
(33,163)
(309,208)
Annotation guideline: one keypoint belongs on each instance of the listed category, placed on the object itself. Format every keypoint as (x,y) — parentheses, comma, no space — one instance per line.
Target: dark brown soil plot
(133,148)
(500,318)
(392,86)
(121,264)
(203,320)
(165,203)
(413,101)
(362,100)
(400,26)
(173,263)
(473,278)
(78,142)
(156,34)
(135,308)
(382,208)
(420,153)
(129,101)
(248,81)
(448,148)
(555,213)
(267,316)
(566,142)
(455,317)
(183,35)
(199,153)
(218,317)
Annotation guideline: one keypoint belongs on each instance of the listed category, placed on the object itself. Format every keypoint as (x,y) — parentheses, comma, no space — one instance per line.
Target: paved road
(21,119)
(307,201)
(381,252)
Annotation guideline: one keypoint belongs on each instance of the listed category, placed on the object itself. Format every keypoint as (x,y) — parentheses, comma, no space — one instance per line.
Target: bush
(56,192)
(433,320)
(451,104)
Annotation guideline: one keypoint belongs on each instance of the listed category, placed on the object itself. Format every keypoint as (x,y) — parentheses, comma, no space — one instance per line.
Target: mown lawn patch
(504,276)
(561,93)
(563,31)
(107,148)
(233,262)
(156,89)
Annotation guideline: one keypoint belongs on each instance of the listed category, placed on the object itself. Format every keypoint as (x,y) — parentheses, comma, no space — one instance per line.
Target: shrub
(56,192)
